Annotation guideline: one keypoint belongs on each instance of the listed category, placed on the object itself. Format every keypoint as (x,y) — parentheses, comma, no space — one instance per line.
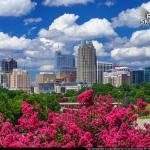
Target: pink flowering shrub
(97,124)
(140,107)
(86,97)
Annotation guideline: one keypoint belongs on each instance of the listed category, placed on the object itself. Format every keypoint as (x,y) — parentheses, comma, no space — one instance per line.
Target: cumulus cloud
(141,38)
(131,53)
(32,20)
(116,42)
(131,17)
(16,7)
(42,53)
(13,43)
(31,53)
(65,28)
(136,64)
(46,67)
(45,49)
(32,63)
(36,54)
(65,2)
(135,51)
(100,51)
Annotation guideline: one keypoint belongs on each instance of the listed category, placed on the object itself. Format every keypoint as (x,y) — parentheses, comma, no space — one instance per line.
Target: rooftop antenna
(58,51)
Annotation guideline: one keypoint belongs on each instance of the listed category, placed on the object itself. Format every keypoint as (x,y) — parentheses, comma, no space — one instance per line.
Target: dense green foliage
(10,101)
(125,93)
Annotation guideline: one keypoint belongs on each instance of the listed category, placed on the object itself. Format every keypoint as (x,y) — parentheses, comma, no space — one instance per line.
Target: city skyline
(34,32)
(88,72)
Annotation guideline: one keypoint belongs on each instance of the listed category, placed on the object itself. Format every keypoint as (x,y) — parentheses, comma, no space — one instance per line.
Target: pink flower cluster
(99,125)
(86,97)
(140,107)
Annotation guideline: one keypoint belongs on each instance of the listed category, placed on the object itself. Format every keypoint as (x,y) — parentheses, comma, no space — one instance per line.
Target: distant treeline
(11,101)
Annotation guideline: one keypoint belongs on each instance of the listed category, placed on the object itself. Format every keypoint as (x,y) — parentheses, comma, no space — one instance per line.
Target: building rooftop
(104,62)
(69,84)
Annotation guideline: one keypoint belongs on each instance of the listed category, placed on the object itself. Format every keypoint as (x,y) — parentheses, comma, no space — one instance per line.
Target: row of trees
(10,101)
(125,93)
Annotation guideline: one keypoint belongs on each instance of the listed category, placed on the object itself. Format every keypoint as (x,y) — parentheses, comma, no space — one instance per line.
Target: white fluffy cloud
(32,20)
(16,7)
(135,64)
(131,17)
(13,43)
(116,42)
(65,28)
(31,53)
(32,63)
(46,67)
(64,31)
(100,51)
(131,53)
(44,49)
(65,2)
(134,52)
(141,38)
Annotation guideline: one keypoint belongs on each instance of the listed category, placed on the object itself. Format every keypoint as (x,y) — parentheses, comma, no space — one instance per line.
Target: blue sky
(32,30)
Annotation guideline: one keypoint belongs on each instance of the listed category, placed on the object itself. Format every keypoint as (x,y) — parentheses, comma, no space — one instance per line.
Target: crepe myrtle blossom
(97,124)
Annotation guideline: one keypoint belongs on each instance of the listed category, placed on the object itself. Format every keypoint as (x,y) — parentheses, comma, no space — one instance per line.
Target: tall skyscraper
(138,76)
(3,80)
(64,62)
(8,65)
(147,74)
(101,68)
(20,80)
(86,63)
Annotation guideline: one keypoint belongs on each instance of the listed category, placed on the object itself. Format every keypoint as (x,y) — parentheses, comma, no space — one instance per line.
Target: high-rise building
(147,74)
(45,77)
(64,62)
(117,78)
(20,80)
(138,76)
(4,80)
(86,63)
(101,68)
(8,65)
